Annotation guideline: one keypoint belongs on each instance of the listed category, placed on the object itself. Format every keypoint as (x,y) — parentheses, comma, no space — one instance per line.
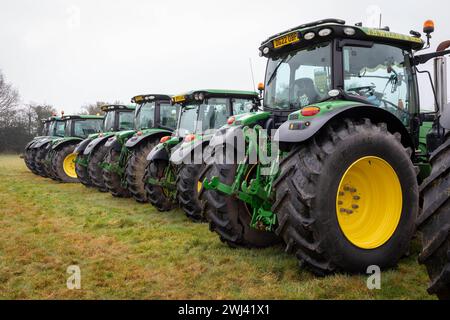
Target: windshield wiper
(274,73)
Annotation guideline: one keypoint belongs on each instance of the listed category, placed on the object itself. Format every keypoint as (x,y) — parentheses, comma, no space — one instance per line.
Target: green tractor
(338,179)
(91,151)
(59,154)
(434,219)
(175,165)
(48,130)
(124,164)
(39,148)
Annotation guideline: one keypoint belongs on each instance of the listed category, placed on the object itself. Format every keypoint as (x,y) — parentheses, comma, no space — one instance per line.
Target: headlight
(266,50)
(201,96)
(309,36)
(349,31)
(325,32)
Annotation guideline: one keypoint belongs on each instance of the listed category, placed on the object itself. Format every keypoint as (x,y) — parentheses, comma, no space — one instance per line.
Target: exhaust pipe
(440,77)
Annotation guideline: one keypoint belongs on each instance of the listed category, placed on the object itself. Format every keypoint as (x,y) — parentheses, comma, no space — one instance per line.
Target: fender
(94,143)
(302,128)
(183,153)
(31,143)
(82,146)
(40,143)
(158,153)
(148,134)
(444,120)
(62,142)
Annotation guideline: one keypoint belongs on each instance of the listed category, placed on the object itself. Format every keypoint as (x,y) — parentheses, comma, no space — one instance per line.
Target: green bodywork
(258,193)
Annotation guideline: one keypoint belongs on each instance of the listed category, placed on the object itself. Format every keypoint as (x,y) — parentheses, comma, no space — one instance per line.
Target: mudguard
(183,152)
(136,140)
(82,146)
(444,120)
(94,143)
(158,153)
(64,141)
(302,128)
(30,144)
(42,142)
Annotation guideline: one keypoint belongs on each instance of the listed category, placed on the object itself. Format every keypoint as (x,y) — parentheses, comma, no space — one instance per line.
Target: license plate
(285,40)
(177,99)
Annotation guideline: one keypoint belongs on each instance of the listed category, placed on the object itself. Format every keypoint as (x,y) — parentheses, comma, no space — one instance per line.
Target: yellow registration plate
(285,40)
(177,99)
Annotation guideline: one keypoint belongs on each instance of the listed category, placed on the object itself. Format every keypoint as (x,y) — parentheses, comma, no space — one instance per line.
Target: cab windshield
(188,119)
(126,120)
(57,128)
(212,115)
(298,79)
(83,128)
(145,116)
(169,115)
(381,75)
(109,122)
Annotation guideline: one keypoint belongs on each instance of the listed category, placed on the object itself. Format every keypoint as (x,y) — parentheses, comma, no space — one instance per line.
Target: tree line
(20,123)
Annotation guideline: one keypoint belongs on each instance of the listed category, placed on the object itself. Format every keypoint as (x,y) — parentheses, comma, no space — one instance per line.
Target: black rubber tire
(57,164)
(306,198)
(135,169)
(82,172)
(155,194)
(41,155)
(48,165)
(229,217)
(113,181)
(434,223)
(187,193)
(95,171)
(30,160)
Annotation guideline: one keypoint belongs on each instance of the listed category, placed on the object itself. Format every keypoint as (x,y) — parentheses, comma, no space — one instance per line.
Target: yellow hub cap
(369,203)
(69,165)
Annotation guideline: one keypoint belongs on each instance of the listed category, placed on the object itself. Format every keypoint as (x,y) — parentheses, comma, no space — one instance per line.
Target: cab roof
(214,93)
(113,107)
(81,117)
(51,119)
(151,97)
(295,37)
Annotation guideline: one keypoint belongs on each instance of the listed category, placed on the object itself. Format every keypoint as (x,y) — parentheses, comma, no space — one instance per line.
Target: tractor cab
(324,66)
(82,126)
(154,111)
(118,118)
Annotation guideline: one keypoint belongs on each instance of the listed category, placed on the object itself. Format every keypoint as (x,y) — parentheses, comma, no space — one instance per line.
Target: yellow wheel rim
(69,165)
(199,186)
(369,203)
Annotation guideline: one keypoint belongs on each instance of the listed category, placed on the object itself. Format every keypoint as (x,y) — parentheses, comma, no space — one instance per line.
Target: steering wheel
(363,90)
(393,107)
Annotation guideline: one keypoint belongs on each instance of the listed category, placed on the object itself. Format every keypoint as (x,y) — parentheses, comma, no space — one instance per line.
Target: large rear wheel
(63,164)
(135,169)
(348,199)
(434,223)
(113,180)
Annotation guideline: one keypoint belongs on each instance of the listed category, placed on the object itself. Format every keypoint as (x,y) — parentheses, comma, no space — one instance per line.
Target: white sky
(68,53)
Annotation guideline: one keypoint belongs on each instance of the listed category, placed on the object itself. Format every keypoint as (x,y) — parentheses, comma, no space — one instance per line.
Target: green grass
(130,251)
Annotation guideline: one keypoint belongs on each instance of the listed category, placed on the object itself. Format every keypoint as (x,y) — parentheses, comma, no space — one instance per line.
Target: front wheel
(348,199)
(113,180)
(188,190)
(434,223)
(82,171)
(95,170)
(162,198)
(135,169)
(229,217)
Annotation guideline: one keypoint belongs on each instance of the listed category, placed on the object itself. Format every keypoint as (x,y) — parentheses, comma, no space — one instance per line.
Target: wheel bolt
(340,203)
(343,210)
(356,198)
(355,206)
(341,194)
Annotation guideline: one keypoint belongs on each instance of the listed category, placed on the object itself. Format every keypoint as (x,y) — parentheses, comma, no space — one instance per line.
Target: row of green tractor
(334,156)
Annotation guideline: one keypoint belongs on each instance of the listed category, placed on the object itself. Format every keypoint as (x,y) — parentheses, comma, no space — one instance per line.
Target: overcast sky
(68,53)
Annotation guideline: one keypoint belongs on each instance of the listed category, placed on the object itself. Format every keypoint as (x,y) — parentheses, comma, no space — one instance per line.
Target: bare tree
(9,99)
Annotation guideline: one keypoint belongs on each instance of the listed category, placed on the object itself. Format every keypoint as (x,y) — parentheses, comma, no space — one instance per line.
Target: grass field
(130,251)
